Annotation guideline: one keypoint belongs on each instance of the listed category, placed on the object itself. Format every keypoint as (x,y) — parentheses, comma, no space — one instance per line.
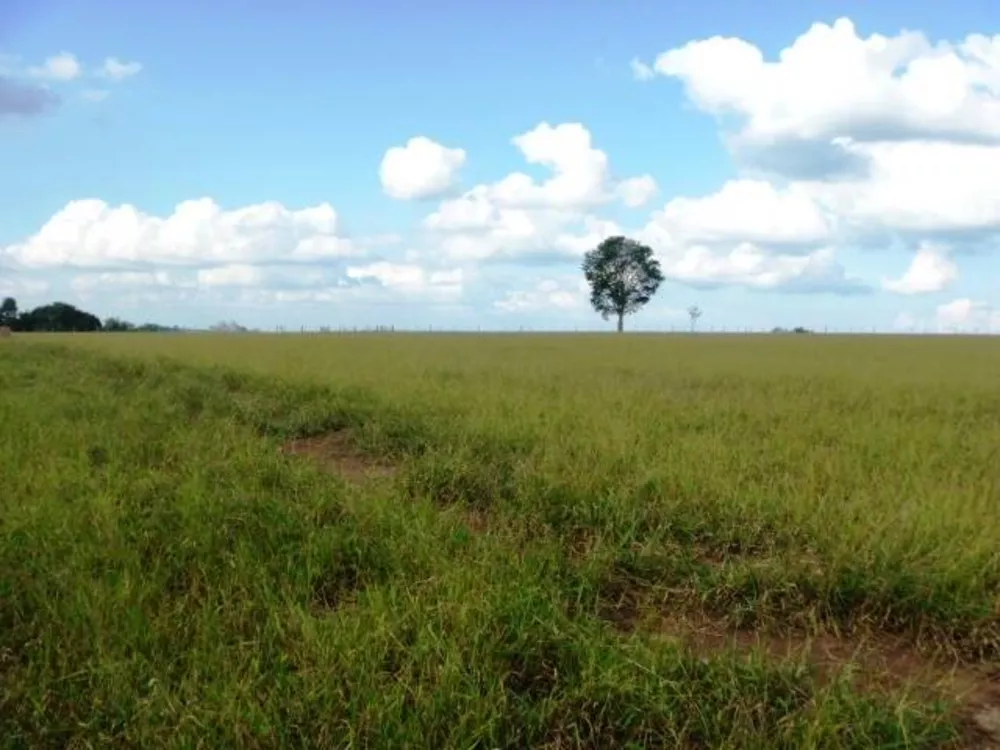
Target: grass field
(499,541)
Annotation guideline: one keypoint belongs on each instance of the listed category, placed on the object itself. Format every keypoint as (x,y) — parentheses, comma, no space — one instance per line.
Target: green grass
(169,578)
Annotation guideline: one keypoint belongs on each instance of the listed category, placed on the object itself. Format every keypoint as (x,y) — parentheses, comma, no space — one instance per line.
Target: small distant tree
(230,326)
(623,276)
(694,312)
(118,325)
(8,312)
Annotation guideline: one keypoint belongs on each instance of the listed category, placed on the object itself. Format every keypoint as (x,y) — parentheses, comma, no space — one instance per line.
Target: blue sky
(446,164)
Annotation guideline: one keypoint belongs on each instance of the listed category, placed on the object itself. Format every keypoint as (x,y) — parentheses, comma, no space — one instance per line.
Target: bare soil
(337,453)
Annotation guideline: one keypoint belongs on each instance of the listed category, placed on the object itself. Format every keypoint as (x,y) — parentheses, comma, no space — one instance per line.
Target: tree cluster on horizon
(62,317)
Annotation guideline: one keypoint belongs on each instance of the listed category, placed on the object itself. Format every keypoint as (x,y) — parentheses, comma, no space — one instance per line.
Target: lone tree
(8,312)
(694,312)
(623,276)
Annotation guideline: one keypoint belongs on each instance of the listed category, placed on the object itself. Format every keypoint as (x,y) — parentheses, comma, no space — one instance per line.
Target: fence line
(677,330)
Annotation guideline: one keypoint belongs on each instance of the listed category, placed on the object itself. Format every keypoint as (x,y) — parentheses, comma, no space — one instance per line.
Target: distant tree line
(230,326)
(60,317)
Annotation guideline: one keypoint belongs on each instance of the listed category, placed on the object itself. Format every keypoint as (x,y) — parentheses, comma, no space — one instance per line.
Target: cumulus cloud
(843,140)
(966,315)
(518,216)
(24,100)
(746,211)
(641,71)
(411,279)
(244,283)
(579,170)
(930,271)
(235,274)
(24,89)
(475,228)
(201,254)
(874,140)
(93,234)
(421,169)
(636,191)
(749,233)
(61,67)
(831,83)
(114,69)
(919,188)
(750,266)
(270,276)
(88,283)
(546,294)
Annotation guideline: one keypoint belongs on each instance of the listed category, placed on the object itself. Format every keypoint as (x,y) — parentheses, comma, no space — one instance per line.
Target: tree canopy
(61,317)
(58,316)
(623,276)
(8,312)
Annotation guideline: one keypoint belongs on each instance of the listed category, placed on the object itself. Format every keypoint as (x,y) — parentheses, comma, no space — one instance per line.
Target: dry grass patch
(337,453)
(879,661)
(872,662)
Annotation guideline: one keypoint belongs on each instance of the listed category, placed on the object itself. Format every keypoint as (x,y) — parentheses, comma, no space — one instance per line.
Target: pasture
(460,541)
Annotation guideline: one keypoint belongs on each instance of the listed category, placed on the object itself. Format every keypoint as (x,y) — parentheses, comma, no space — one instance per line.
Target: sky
(834,165)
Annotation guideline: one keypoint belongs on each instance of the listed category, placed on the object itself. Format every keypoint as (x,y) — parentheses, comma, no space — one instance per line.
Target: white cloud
(547,294)
(750,266)
(236,274)
(919,187)
(92,234)
(847,140)
(408,278)
(379,283)
(875,140)
(421,169)
(474,210)
(592,232)
(930,271)
(640,70)
(523,235)
(232,276)
(518,215)
(966,315)
(580,171)
(746,211)
(90,282)
(116,70)
(833,83)
(750,234)
(580,180)
(636,191)
(61,67)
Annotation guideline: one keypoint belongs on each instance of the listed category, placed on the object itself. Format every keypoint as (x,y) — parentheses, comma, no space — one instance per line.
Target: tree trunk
(621,322)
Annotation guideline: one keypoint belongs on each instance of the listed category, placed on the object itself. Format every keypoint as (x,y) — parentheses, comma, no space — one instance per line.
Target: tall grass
(168,578)
(866,468)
